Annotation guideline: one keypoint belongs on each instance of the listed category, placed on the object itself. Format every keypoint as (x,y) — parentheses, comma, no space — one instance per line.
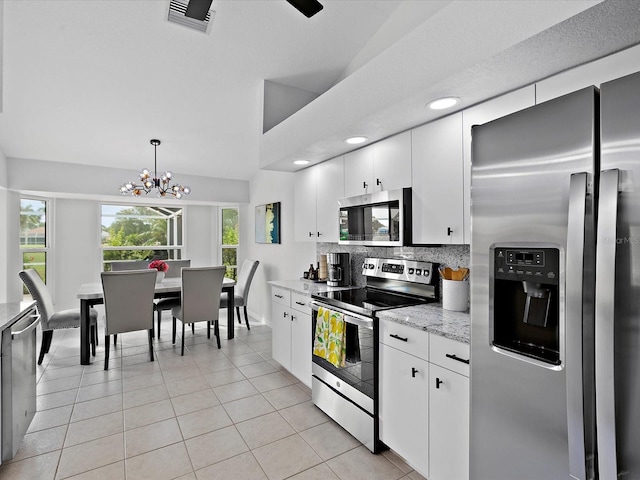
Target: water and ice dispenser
(526,294)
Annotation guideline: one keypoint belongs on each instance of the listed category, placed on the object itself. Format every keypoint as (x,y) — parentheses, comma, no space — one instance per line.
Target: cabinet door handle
(364,185)
(393,335)
(378,182)
(413,372)
(292,318)
(300,303)
(438,382)
(311,234)
(453,356)
(278,296)
(285,314)
(318,233)
(449,231)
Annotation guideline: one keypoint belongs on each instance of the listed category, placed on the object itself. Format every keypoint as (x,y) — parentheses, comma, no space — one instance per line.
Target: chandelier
(163,184)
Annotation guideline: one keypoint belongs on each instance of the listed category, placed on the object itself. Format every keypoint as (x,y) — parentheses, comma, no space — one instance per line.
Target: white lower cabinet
(403,407)
(448,424)
(291,332)
(448,409)
(424,400)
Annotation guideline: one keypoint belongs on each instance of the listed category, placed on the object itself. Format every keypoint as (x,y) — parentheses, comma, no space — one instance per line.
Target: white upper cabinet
(385,165)
(305,205)
(358,172)
(437,184)
(483,113)
(316,192)
(392,162)
(329,189)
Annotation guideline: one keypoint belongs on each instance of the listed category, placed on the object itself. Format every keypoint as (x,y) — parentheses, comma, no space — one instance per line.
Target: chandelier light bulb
(163,184)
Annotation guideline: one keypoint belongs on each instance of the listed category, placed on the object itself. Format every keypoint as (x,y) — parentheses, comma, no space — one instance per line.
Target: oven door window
(359,364)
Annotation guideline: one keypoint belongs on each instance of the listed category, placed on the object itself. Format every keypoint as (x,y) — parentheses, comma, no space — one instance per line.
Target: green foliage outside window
(230,240)
(33,236)
(158,228)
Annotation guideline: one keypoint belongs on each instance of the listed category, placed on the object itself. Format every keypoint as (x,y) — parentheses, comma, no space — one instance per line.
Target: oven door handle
(349,317)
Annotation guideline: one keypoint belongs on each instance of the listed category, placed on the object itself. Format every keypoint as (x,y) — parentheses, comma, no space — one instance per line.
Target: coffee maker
(339,270)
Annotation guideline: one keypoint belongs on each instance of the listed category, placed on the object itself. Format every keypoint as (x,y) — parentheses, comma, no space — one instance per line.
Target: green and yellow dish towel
(329,339)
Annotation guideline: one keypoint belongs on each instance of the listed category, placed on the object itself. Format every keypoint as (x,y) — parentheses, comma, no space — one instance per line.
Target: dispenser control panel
(540,265)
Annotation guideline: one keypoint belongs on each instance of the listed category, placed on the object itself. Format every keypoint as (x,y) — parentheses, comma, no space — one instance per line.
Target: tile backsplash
(453,256)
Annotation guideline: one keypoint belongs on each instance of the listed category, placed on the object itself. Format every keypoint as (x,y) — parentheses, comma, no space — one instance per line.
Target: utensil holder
(455,295)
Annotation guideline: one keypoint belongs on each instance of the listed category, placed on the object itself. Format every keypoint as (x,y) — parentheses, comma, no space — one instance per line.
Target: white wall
(284,261)
(88,181)
(75,238)
(201,232)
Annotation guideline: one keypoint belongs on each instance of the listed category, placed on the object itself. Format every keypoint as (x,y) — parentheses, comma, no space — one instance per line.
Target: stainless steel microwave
(381,218)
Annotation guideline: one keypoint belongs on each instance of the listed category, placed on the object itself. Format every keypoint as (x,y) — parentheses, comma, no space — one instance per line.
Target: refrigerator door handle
(574,317)
(604,323)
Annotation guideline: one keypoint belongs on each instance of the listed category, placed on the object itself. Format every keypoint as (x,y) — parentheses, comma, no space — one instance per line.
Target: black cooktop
(367,301)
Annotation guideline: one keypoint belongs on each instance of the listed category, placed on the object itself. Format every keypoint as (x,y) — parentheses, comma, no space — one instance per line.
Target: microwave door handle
(605,323)
(576,223)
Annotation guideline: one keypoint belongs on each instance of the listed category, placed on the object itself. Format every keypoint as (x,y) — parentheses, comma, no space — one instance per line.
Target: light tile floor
(232,413)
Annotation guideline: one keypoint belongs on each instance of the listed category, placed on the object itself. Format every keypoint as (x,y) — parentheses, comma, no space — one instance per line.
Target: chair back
(175,266)
(129,265)
(40,294)
(128,300)
(201,289)
(245,277)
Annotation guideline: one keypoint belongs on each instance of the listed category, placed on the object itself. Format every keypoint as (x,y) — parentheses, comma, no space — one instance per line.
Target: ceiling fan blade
(307,7)
(198,9)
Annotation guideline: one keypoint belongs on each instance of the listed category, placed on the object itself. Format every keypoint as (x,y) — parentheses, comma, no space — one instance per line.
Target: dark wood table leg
(84,332)
(230,307)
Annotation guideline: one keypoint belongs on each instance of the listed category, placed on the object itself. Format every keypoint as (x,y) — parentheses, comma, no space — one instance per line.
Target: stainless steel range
(349,393)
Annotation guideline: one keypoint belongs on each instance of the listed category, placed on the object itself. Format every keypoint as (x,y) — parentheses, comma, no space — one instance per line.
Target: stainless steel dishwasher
(18,370)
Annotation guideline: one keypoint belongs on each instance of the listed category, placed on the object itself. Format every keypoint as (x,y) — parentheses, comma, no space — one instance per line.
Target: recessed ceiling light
(355,140)
(301,162)
(442,103)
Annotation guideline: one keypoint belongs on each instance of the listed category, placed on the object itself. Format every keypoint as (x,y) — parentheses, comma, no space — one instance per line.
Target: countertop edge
(431,317)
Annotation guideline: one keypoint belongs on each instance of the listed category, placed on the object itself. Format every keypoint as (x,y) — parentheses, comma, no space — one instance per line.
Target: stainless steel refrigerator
(555,297)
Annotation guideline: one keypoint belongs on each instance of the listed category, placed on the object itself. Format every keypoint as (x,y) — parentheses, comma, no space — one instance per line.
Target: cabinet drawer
(449,354)
(300,302)
(281,295)
(404,338)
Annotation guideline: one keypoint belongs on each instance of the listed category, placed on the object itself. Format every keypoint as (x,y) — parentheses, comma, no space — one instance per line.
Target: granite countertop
(434,319)
(305,287)
(430,317)
(10,312)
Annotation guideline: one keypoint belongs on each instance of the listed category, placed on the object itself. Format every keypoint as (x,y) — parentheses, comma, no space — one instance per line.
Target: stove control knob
(411,271)
(418,271)
(371,266)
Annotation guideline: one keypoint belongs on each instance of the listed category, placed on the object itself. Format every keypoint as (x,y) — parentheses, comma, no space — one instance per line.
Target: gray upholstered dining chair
(175,267)
(129,265)
(200,299)
(128,304)
(241,293)
(51,320)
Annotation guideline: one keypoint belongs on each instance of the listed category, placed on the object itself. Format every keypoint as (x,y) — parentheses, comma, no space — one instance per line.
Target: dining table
(91,294)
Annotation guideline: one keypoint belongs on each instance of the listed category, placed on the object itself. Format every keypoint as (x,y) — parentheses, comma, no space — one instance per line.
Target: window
(34,242)
(230,237)
(140,233)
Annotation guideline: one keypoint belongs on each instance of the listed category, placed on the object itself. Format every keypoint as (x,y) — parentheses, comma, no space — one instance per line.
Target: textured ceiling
(91,82)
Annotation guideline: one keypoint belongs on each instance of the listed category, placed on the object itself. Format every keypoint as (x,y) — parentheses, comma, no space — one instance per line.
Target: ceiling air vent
(178,14)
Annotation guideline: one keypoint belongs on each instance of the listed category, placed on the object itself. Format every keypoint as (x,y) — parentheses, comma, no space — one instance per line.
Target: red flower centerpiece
(161,267)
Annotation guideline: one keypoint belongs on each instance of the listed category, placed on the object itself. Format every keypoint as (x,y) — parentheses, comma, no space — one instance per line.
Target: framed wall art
(268,223)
